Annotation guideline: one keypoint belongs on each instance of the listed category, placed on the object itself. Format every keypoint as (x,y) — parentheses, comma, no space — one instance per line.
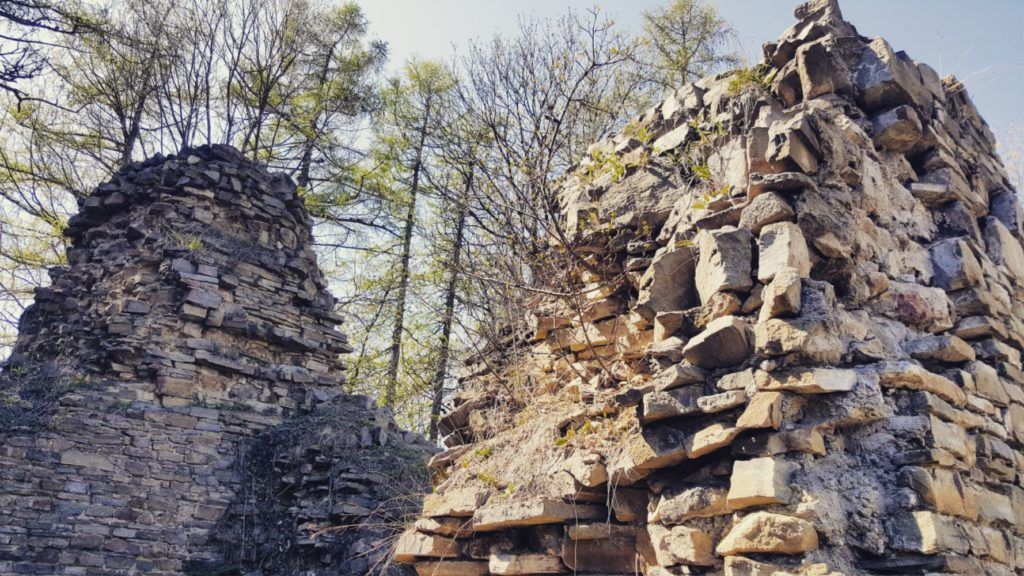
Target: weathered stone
(614,552)
(671,403)
(926,532)
(913,376)
(667,324)
(764,209)
(525,564)
(681,545)
(412,545)
(724,262)
(1003,248)
(86,460)
(678,375)
(793,143)
(740,566)
(897,130)
(539,511)
(668,284)
(808,339)
(802,440)
(885,79)
(672,139)
(786,182)
(629,504)
(721,402)
(711,438)
(763,411)
(941,489)
(452,568)
(759,482)
(782,295)
(451,527)
(782,245)
(669,350)
(954,264)
(946,348)
(461,502)
(820,73)
(723,343)
(652,449)
(813,381)
(740,380)
(587,469)
(988,384)
(767,533)
(1005,205)
(697,502)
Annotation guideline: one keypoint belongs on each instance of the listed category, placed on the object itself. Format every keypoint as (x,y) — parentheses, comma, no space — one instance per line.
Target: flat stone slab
(452,568)
(413,544)
(525,564)
(813,381)
(460,502)
(531,513)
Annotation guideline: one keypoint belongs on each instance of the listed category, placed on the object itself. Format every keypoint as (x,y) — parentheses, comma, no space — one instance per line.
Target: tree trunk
(449,314)
(306,162)
(391,388)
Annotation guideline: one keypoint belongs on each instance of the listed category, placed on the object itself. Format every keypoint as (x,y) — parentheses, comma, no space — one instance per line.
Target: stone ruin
(797,347)
(174,404)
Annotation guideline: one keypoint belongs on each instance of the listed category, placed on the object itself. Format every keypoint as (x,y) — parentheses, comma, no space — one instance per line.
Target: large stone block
(671,403)
(782,245)
(759,482)
(954,264)
(697,502)
(412,545)
(525,564)
(504,515)
(669,283)
(724,262)
(768,533)
(681,545)
(764,209)
(723,342)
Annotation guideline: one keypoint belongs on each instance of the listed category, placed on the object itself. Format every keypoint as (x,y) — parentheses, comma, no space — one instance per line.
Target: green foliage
(710,196)
(572,434)
(686,40)
(759,77)
(191,242)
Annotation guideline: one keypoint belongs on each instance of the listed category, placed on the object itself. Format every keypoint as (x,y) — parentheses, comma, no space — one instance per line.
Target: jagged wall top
(196,272)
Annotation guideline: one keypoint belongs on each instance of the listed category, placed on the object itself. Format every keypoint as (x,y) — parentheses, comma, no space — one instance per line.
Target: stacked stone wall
(798,348)
(190,322)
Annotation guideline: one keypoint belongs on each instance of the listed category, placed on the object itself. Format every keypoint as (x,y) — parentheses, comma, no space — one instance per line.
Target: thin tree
(412,105)
(684,41)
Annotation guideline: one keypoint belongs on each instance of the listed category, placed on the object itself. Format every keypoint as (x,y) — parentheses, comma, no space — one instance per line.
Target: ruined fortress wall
(191,318)
(798,349)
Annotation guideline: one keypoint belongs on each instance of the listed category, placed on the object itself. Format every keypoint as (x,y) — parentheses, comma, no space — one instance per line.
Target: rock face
(811,364)
(173,403)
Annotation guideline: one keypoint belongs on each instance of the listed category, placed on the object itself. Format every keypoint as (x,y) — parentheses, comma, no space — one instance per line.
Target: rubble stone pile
(796,347)
(190,323)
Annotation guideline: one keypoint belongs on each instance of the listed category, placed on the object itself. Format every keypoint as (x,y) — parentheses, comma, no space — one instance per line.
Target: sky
(979,41)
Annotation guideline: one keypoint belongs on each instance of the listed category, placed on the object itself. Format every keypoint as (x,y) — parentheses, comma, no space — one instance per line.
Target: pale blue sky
(981,41)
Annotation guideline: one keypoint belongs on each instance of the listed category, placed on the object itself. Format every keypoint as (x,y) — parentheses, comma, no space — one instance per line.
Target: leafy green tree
(685,40)
(401,154)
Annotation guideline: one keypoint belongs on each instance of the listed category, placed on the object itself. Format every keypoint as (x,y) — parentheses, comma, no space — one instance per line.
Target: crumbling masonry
(173,403)
(798,352)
